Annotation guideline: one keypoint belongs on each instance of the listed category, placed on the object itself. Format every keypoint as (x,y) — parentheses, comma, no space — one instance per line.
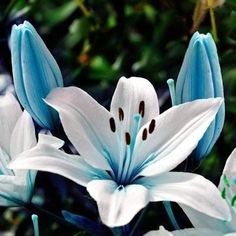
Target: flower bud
(200,77)
(35,74)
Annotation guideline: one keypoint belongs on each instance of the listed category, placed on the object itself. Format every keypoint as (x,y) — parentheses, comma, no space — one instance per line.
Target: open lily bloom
(17,135)
(227,187)
(126,154)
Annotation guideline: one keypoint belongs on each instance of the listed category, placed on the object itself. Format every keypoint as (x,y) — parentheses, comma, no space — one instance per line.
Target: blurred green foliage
(96,42)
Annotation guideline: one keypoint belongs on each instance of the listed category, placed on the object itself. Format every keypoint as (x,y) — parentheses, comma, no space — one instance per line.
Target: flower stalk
(44,214)
(213,21)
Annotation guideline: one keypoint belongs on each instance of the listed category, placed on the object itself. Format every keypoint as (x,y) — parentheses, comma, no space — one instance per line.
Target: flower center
(123,173)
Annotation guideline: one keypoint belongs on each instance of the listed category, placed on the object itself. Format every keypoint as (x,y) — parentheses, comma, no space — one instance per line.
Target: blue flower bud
(200,77)
(35,73)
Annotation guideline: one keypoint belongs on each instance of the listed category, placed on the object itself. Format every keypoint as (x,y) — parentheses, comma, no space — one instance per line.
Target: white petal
(128,95)
(197,232)
(189,189)
(161,232)
(49,139)
(14,190)
(10,111)
(46,157)
(4,160)
(117,205)
(230,165)
(185,232)
(23,136)
(177,132)
(228,178)
(86,124)
(200,220)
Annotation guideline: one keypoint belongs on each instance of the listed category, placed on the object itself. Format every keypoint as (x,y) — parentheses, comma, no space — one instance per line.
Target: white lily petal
(128,95)
(231,234)
(176,133)
(10,111)
(189,189)
(13,190)
(228,178)
(117,205)
(200,220)
(48,139)
(227,187)
(4,160)
(23,135)
(197,232)
(45,157)
(86,124)
(230,165)
(161,232)
(185,232)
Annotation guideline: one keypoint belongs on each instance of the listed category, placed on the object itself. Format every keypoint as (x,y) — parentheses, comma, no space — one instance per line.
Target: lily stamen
(141,108)
(112,125)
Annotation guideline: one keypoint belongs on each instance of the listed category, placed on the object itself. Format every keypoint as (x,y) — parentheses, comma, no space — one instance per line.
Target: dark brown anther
(144,136)
(127,138)
(152,126)
(141,108)
(112,124)
(121,114)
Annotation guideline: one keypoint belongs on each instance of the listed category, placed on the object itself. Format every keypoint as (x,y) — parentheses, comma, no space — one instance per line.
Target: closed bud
(35,74)
(200,77)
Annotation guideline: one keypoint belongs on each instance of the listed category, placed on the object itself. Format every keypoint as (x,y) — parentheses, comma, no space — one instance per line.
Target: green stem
(117,231)
(83,8)
(8,9)
(138,221)
(170,213)
(44,214)
(213,20)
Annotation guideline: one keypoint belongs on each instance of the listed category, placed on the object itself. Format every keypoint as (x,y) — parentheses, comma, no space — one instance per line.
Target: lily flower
(17,135)
(35,74)
(126,154)
(200,77)
(227,186)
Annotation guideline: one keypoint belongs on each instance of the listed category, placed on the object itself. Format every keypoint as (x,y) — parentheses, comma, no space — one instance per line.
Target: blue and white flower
(17,136)
(127,153)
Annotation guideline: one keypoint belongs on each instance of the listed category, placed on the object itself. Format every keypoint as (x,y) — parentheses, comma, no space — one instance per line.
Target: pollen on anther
(127,138)
(112,124)
(144,136)
(141,108)
(152,126)
(121,114)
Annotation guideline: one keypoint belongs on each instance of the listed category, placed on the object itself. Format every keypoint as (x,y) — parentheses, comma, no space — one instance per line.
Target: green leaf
(57,15)
(79,29)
